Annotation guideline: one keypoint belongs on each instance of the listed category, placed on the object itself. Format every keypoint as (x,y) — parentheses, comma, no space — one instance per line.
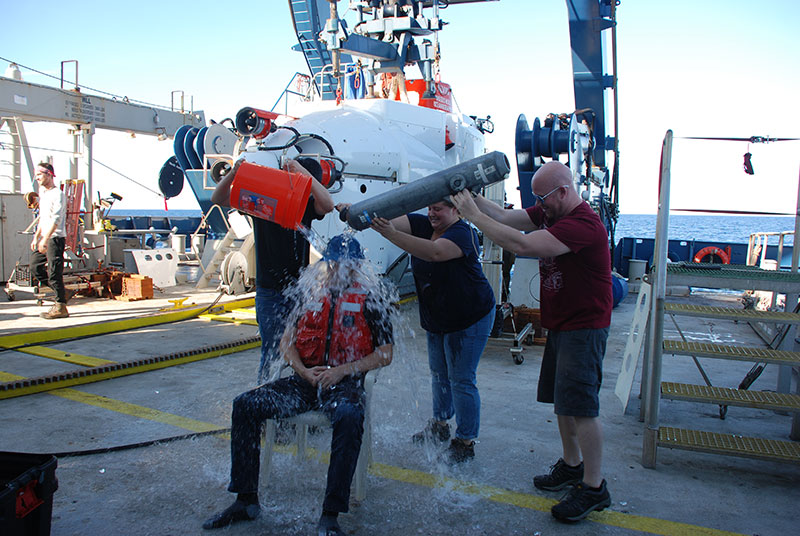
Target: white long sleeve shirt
(52,208)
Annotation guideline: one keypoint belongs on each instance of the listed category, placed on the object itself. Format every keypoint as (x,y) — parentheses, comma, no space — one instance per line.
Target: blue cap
(342,247)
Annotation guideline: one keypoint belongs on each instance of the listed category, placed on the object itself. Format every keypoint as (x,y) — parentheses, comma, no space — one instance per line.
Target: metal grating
(731,276)
(750,315)
(729,444)
(737,353)
(730,270)
(730,397)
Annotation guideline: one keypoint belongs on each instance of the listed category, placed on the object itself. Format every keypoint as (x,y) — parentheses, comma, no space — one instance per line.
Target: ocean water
(705,228)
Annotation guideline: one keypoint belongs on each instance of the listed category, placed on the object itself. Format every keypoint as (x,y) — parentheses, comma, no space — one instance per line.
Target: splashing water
(397,411)
(320,278)
(314,238)
(382,296)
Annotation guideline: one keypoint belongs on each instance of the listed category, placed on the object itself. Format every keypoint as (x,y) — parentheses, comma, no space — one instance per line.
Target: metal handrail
(755,242)
(286,90)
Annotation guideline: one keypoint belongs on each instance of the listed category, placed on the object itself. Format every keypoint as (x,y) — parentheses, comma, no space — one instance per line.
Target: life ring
(712,251)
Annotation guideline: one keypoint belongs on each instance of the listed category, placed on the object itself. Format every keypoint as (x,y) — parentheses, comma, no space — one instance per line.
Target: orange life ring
(712,251)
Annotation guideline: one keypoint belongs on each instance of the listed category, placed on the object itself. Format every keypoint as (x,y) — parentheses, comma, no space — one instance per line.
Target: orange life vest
(347,335)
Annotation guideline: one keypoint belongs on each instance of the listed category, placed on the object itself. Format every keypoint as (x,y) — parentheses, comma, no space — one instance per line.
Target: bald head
(552,175)
(554,181)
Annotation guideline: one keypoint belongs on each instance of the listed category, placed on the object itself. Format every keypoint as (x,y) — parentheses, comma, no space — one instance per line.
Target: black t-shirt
(452,294)
(281,253)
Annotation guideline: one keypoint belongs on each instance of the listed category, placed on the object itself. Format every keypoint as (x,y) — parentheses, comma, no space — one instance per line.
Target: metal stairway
(730,397)
(727,313)
(308,17)
(653,389)
(727,444)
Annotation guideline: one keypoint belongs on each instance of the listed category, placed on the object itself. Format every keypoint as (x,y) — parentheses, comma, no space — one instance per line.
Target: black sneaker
(561,475)
(459,452)
(433,431)
(238,511)
(580,502)
(329,526)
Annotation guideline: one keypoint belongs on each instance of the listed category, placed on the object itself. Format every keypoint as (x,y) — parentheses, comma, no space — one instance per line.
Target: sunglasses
(540,198)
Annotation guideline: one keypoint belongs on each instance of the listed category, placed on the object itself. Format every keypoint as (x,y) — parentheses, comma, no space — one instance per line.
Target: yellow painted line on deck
(67,357)
(80,380)
(7,377)
(98,328)
(113,326)
(533,502)
(420,478)
(135,410)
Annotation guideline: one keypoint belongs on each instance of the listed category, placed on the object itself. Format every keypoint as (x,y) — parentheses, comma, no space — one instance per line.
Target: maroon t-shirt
(575,288)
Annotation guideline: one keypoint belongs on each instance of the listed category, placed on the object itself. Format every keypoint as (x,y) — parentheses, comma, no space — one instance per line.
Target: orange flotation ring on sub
(712,251)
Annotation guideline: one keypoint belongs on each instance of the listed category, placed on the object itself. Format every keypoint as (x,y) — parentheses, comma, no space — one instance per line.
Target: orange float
(712,251)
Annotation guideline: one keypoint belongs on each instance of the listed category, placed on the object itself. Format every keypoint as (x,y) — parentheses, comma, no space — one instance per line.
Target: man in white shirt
(47,246)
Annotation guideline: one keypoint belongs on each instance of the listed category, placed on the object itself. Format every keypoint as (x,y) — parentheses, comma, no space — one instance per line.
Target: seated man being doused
(330,357)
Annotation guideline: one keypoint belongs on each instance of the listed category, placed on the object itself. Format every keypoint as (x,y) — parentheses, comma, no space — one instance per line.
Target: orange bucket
(271,194)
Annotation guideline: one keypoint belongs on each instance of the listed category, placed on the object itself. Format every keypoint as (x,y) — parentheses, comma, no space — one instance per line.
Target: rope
(129,446)
(15,146)
(159,194)
(49,149)
(120,97)
(751,139)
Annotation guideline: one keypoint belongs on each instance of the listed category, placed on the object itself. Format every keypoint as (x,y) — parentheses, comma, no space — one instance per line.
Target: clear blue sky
(710,68)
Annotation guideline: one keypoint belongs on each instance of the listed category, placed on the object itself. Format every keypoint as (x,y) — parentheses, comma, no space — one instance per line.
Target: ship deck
(170,487)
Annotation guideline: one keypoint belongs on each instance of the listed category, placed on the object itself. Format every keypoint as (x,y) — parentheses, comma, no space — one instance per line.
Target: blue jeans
(453,359)
(287,397)
(272,309)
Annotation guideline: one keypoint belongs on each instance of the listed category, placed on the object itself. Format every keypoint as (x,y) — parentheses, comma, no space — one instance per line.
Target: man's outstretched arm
(534,244)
